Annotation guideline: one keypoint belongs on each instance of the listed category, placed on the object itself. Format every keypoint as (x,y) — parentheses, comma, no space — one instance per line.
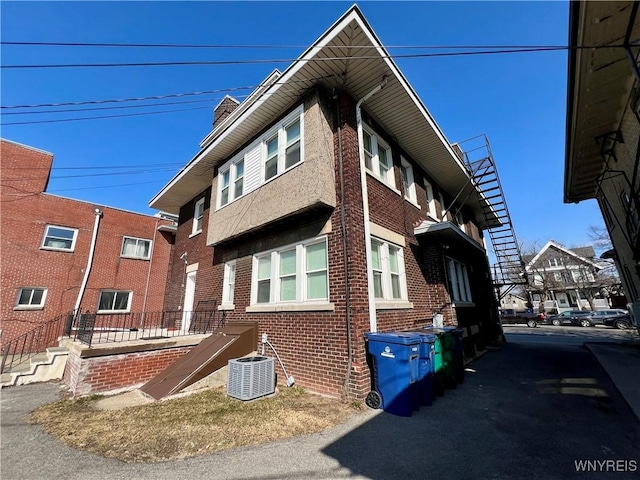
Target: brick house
(47,242)
(602,160)
(323,207)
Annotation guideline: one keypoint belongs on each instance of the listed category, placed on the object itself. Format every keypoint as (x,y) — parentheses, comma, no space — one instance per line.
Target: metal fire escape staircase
(508,271)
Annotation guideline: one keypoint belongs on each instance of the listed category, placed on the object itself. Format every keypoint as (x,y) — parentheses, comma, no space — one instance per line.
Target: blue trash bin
(426,367)
(394,360)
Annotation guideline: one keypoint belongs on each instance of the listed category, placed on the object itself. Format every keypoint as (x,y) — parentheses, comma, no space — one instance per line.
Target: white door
(189,294)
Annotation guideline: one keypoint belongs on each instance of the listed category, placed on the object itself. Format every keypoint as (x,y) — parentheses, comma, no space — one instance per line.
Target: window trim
(125,237)
(456,268)
(409,186)
(431,200)
(301,274)
(386,274)
(198,218)
(231,169)
(112,290)
(59,249)
(227,286)
(389,179)
(31,306)
(279,131)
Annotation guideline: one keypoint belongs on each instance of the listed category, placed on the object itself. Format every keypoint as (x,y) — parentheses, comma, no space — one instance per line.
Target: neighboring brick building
(603,128)
(46,242)
(286,218)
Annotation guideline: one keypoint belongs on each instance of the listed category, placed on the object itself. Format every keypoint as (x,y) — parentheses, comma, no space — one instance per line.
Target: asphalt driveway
(526,411)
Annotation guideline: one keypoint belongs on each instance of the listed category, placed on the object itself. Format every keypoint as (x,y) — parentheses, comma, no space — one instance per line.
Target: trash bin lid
(425,337)
(399,338)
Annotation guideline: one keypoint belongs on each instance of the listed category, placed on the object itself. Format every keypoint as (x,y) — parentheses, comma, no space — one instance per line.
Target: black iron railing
(91,328)
(21,349)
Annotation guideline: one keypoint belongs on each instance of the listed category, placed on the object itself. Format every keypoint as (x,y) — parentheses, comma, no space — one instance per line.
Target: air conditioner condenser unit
(251,377)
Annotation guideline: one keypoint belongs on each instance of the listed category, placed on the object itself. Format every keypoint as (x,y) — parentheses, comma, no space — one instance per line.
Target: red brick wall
(313,345)
(84,376)
(24,264)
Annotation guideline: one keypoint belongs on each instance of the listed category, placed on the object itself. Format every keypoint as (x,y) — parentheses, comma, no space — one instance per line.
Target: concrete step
(40,368)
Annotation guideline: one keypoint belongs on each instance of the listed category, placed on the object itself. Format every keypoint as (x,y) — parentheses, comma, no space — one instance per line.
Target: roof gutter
(373,321)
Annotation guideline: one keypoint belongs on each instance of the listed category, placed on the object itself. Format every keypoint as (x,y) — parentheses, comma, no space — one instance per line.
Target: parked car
(617,318)
(510,316)
(571,317)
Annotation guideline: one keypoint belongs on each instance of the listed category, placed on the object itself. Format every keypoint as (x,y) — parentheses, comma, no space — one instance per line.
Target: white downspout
(146,287)
(373,322)
(87,270)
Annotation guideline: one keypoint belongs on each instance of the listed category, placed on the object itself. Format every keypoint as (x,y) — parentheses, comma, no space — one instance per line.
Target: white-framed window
(293,274)
(231,182)
(136,248)
(229,282)
(431,202)
(458,281)
(408,181)
(59,238)
(31,298)
(377,157)
(389,277)
(198,215)
(283,146)
(443,207)
(114,301)
(460,221)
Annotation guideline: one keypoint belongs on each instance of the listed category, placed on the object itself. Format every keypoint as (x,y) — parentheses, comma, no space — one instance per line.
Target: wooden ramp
(234,340)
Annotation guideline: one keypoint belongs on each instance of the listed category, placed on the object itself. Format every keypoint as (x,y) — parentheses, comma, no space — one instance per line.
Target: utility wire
(283,60)
(160,97)
(261,46)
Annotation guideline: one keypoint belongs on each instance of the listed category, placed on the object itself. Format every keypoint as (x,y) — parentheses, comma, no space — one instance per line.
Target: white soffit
(330,63)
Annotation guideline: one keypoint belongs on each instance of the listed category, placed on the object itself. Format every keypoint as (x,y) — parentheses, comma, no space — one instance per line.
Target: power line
(105,116)
(267,46)
(159,97)
(284,60)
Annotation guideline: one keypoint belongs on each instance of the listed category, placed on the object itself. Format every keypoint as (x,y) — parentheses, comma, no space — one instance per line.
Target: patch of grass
(201,423)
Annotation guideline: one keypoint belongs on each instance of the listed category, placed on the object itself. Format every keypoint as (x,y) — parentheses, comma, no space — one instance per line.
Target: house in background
(603,127)
(329,204)
(61,255)
(566,279)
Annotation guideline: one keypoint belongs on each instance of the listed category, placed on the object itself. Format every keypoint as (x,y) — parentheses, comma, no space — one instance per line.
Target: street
(539,407)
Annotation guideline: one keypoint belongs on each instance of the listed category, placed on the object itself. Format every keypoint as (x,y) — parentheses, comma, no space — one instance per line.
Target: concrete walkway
(622,364)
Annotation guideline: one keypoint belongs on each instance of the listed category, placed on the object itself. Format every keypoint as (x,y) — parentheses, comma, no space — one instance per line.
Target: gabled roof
(334,63)
(571,252)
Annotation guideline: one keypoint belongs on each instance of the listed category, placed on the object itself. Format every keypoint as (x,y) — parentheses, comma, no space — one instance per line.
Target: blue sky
(517,100)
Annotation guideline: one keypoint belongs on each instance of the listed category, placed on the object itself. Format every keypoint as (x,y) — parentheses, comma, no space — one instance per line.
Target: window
(430,200)
(114,301)
(59,238)
(458,281)
(387,263)
(231,174)
(229,285)
(460,221)
(198,214)
(377,157)
(136,248)
(408,181)
(283,149)
(292,274)
(31,298)
(443,216)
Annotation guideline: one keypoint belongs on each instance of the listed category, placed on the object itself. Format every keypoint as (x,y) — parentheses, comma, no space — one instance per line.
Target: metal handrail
(26,346)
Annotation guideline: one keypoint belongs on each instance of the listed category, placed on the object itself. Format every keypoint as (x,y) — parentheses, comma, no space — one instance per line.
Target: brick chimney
(224,109)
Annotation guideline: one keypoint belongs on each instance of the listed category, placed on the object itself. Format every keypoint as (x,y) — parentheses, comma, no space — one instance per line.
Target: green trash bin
(446,371)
